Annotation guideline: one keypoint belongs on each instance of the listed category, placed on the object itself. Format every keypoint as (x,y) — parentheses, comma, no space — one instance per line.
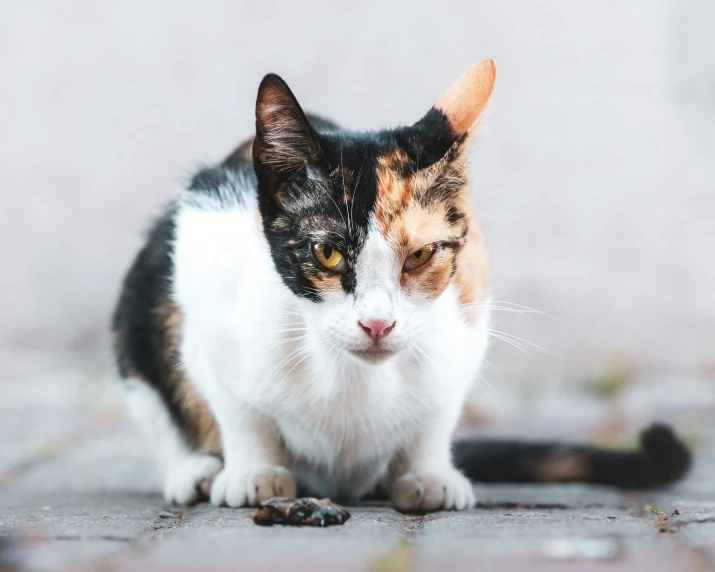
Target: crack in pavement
(160,527)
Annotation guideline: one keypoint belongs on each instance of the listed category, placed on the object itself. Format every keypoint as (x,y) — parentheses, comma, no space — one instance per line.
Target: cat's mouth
(373,355)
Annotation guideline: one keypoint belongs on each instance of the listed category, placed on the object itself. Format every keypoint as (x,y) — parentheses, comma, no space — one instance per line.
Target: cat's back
(192,222)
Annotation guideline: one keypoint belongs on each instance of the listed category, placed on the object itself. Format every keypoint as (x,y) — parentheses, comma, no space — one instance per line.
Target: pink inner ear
(465,101)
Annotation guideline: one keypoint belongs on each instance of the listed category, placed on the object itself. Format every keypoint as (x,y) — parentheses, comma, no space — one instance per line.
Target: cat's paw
(190,479)
(442,490)
(251,487)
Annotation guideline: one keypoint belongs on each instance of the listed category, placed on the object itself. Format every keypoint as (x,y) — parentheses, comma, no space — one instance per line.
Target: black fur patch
(454,216)
(141,338)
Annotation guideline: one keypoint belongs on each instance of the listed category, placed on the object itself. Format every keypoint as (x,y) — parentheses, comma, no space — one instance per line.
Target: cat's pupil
(327,252)
(418,254)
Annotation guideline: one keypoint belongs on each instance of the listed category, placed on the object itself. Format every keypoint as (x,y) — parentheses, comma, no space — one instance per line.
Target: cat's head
(369,227)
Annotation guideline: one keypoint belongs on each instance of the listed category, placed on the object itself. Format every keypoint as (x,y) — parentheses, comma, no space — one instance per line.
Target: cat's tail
(660,460)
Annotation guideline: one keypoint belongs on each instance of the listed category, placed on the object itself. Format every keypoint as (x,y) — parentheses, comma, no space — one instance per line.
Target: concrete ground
(78,491)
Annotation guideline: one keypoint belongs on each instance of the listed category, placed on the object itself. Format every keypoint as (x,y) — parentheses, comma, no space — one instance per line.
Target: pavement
(79,491)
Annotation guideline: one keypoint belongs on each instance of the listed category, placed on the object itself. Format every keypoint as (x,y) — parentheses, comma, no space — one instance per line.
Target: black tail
(661,460)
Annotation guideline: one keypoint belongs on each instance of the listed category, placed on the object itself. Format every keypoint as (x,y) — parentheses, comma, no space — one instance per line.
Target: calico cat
(311,313)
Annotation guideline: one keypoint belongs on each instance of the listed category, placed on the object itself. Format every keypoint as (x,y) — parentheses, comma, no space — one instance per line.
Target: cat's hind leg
(188,475)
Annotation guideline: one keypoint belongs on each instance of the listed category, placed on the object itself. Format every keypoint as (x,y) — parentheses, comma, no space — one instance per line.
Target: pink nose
(377,329)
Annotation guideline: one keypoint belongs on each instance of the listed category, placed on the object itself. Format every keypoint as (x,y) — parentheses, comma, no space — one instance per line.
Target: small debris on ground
(662,523)
(300,512)
(167,514)
(652,507)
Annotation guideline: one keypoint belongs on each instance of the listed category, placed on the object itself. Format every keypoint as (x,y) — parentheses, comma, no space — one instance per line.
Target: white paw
(190,479)
(424,492)
(249,488)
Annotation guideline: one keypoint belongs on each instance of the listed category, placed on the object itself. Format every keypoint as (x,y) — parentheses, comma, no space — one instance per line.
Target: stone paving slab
(547,496)
(228,539)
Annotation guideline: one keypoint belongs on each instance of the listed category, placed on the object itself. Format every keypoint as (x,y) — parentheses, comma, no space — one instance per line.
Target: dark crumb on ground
(300,512)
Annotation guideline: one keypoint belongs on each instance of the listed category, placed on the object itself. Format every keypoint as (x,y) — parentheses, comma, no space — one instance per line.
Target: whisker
(495,368)
(355,188)
(423,352)
(280,342)
(517,338)
(417,357)
(510,342)
(301,360)
(345,197)
(336,204)
(481,385)
(280,364)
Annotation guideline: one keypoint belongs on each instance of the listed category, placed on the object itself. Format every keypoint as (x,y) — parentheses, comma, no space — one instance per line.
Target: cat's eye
(329,258)
(418,258)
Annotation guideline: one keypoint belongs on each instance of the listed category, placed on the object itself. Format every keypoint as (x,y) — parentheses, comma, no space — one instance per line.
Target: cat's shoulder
(220,187)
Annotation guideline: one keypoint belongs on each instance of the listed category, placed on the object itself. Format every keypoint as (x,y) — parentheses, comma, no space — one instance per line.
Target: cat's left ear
(465,101)
(455,115)
(285,142)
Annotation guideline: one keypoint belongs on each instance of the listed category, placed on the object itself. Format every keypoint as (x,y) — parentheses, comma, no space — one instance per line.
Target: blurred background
(594,174)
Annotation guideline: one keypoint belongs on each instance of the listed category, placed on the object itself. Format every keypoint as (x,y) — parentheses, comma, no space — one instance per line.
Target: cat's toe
(189,480)
(250,488)
(426,492)
(270,482)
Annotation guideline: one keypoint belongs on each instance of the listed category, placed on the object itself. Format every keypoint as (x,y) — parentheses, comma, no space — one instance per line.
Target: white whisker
(522,340)
(510,342)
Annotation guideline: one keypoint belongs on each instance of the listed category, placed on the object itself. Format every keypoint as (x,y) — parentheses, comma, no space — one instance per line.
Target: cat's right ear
(285,143)
(444,131)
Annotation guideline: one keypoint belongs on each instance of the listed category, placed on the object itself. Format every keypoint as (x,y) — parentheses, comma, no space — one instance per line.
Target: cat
(310,314)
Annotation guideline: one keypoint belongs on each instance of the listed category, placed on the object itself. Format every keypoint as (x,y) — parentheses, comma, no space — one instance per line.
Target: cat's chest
(368,417)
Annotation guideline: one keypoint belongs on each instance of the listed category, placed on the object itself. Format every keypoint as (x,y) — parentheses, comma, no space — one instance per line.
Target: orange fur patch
(472,277)
(567,467)
(409,225)
(325,283)
(203,425)
(465,101)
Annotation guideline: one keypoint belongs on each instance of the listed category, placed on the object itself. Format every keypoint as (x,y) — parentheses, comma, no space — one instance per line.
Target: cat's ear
(455,115)
(465,101)
(285,142)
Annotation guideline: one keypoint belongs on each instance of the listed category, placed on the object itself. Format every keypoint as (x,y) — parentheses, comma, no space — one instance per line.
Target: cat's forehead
(403,148)
(387,181)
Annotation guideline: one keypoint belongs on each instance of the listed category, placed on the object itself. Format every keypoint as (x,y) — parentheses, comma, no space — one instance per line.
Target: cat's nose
(377,329)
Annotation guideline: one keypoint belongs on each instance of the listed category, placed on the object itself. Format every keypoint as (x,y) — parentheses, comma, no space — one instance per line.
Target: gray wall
(595,177)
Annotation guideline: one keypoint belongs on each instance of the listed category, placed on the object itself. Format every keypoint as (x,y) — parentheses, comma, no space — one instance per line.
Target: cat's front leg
(255,459)
(422,477)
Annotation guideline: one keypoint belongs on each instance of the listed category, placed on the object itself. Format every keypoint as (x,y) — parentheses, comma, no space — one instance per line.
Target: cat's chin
(373,356)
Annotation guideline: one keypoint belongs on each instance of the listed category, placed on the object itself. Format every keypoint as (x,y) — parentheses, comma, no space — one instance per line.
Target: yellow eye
(418,258)
(329,258)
